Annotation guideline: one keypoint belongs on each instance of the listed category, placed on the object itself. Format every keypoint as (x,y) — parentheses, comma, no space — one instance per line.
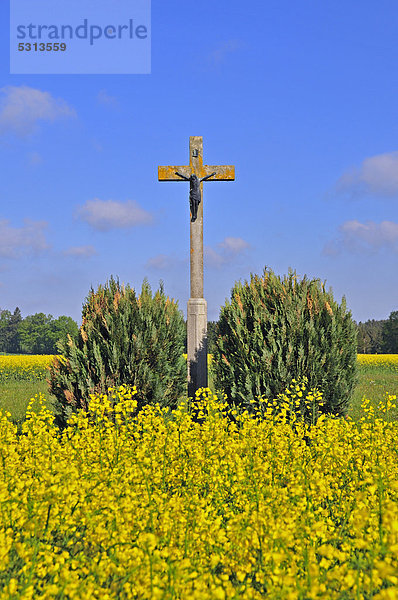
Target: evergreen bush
(123,339)
(274,331)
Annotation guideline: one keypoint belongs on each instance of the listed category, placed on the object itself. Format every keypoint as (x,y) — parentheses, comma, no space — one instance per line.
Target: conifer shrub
(273,332)
(123,340)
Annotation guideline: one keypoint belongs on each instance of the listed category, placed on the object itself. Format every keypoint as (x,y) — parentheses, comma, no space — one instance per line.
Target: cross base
(196,345)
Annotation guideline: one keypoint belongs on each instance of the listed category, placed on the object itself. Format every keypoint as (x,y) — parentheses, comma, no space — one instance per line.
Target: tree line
(39,333)
(35,334)
(379,337)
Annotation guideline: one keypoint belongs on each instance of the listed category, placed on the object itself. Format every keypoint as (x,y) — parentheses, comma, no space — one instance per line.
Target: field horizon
(378,377)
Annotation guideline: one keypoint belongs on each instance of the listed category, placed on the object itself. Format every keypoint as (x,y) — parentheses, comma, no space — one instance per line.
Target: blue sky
(300,96)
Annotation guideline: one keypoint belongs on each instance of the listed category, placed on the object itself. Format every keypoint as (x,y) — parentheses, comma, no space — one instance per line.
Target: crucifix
(196,172)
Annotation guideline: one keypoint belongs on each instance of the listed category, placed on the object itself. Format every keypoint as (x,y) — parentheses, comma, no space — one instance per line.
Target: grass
(15,396)
(377,376)
(375,380)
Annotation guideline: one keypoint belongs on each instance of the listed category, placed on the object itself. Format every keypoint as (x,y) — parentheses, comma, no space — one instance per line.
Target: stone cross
(197,306)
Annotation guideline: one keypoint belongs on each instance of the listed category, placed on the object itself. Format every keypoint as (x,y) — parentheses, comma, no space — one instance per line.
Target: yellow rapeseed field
(24,367)
(137,506)
(386,361)
(33,367)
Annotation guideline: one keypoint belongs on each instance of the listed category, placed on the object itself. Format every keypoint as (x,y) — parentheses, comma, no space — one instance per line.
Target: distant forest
(35,334)
(379,337)
(39,334)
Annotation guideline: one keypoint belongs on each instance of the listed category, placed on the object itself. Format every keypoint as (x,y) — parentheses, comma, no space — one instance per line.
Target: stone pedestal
(196,344)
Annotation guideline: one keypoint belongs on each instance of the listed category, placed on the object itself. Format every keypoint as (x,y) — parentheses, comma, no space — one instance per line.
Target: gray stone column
(197,305)
(197,344)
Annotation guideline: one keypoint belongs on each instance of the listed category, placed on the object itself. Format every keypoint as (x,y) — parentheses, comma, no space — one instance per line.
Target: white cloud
(34,159)
(81,251)
(161,262)
(230,247)
(105,215)
(21,108)
(364,238)
(234,245)
(104,98)
(219,54)
(98,147)
(377,175)
(18,241)
(212,258)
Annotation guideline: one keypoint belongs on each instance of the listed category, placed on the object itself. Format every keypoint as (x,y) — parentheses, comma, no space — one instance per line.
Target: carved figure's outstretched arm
(207,177)
(183,176)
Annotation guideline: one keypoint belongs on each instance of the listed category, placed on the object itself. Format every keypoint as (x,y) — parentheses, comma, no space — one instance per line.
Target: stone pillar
(196,344)
(197,305)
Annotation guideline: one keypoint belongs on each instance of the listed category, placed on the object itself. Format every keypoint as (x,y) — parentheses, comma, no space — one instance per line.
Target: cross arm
(169,173)
(221,172)
(214,172)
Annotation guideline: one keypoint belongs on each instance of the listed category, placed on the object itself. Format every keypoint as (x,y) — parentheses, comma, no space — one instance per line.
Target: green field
(376,379)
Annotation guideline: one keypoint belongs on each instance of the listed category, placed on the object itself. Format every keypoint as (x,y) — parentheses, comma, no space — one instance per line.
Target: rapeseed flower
(24,367)
(127,504)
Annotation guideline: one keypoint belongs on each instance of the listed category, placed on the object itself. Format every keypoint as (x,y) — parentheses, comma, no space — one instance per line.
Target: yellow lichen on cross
(196,166)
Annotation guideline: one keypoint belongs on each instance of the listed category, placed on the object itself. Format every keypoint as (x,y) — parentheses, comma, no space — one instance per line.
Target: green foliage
(61,328)
(35,334)
(275,331)
(9,335)
(122,340)
(5,316)
(390,334)
(378,337)
(40,333)
(211,335)
(370,337)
